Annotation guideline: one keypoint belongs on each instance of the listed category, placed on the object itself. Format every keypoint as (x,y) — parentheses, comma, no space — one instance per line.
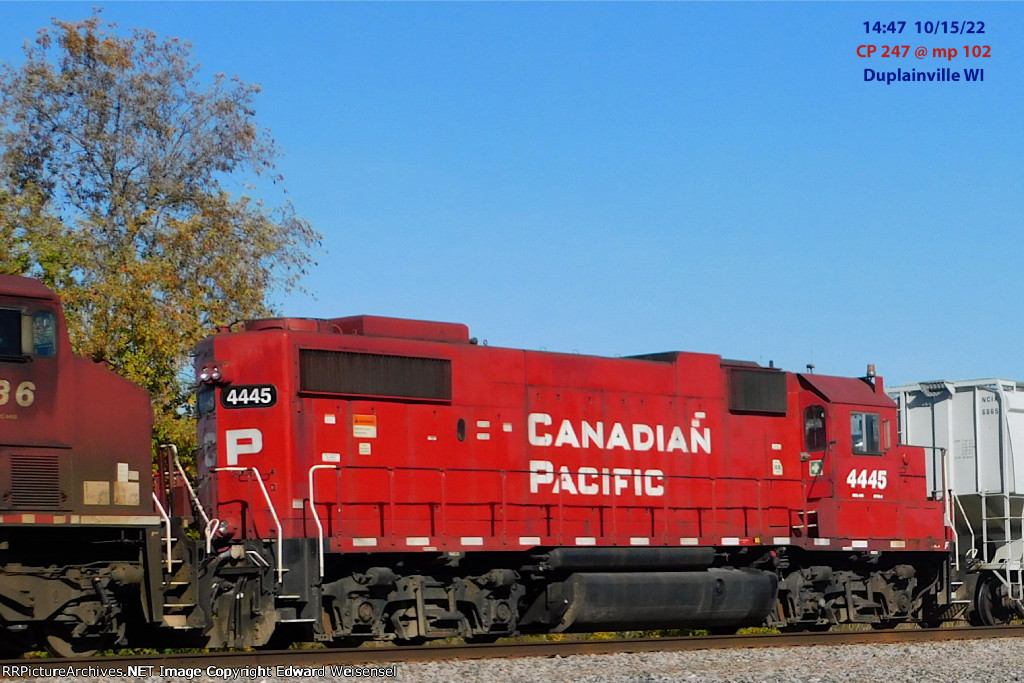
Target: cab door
(817,469)
(815,464)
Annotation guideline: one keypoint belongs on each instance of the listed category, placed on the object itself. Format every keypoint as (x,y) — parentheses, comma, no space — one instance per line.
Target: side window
(44,334)
(815,437)
(864,432)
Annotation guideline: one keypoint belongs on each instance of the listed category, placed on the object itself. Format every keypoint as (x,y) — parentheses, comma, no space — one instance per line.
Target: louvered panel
(35,481)
(364,374)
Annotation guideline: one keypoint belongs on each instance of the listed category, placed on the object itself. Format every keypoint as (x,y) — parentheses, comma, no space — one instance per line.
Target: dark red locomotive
(392,479)
(76,485)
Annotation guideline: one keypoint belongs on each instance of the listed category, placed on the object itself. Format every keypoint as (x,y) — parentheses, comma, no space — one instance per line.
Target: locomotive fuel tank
(606,601)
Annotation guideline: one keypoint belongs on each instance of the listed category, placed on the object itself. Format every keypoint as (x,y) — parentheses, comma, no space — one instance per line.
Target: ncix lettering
(639,437)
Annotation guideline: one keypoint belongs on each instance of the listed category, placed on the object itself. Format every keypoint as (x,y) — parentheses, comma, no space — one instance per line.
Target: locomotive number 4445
(249,396)
(865,479)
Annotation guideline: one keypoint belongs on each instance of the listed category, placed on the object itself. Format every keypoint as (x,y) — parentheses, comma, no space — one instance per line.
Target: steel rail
(373,656)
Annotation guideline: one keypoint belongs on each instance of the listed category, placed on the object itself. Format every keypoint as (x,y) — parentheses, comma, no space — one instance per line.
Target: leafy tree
(115,166)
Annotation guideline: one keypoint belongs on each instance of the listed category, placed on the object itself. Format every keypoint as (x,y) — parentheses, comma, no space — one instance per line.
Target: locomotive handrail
(208,524)
(316,517)
(273,512)
(167,538)
(191,491)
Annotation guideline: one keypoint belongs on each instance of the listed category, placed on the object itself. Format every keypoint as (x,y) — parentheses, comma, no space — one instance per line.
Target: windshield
(10,332)
(864,432)
(24,336)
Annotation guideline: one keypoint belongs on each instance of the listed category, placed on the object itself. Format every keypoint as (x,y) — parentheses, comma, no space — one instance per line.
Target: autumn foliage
(115,171)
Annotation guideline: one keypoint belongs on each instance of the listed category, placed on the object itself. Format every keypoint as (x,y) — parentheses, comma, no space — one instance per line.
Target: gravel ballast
(978,661)
(973,660)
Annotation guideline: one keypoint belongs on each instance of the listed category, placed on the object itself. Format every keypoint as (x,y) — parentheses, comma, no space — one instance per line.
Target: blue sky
(620,178)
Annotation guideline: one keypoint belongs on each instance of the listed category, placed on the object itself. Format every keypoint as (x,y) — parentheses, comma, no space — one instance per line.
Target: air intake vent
(364,374)
(35,482)
(757,391)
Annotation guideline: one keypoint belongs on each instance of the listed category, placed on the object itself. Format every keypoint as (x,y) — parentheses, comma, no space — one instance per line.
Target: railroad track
(217,664)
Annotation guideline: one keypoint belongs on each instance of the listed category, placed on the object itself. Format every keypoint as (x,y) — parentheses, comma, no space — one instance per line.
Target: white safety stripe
(119,520)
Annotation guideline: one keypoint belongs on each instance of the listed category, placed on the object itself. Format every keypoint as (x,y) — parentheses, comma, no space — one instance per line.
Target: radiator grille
(364,374)
(35,481)
(757,391)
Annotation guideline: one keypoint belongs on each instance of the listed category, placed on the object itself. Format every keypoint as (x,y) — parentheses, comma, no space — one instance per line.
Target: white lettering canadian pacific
(638,437)
(590,481)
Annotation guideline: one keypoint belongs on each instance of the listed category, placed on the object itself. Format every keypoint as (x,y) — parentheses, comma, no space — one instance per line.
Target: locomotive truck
(370,478)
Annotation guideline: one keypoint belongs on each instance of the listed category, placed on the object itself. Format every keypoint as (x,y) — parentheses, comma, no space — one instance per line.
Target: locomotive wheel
(62,644)
(989,609)
(344,642)
(885,624)
(12,648)
(410,642)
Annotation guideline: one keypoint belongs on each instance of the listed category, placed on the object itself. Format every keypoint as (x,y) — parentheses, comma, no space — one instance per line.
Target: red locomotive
(427,486)
(371,478)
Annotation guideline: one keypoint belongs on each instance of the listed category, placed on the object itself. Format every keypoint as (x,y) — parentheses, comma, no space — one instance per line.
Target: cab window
(10,332)
(815,437)
(864,432)
(24,335)
(44,334)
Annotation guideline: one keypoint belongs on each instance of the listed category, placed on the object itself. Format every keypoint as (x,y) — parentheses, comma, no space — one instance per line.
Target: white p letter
(242,442)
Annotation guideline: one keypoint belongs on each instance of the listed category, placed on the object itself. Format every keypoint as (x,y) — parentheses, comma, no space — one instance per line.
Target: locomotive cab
(860,478)
(29,319)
